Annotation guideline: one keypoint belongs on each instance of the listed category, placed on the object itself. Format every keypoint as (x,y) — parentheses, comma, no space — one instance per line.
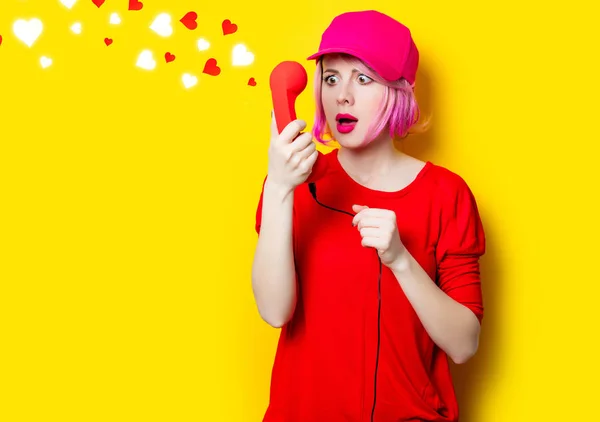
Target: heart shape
(241,56)
(162,25)
(28,31)
(76,28)
(108,41)
(228,27)
(146,61)
(0,39)
(252,82)
(68,3)
(211,68)
(115,19)
(169,57)
(135,5)
(189,20)
(189,80)
(98,3)
(45,61)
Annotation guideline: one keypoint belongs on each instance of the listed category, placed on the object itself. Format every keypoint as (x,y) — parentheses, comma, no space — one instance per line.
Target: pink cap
(383,43)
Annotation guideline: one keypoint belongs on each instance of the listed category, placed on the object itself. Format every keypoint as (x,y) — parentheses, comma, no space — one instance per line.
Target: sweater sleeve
(461,244)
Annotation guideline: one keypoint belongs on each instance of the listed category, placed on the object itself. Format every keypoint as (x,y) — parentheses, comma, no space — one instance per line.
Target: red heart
(169,57)
(189,20)
(135,5)
(228,27)
(98,3)
(252,82)
(211,68)
(108,41)
(0,39)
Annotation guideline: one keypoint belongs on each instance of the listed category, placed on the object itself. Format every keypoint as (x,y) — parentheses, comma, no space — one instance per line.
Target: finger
(301,142)
(291,131)
(294,155)
(274,130)
(313,157)
(307,151)
(296,158)
(365,214)
(308,164)
(374,242)
(371,232)
(373,222)
(358,208)
(378,213)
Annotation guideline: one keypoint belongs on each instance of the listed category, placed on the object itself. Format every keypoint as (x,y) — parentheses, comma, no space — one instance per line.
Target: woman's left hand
(379,230)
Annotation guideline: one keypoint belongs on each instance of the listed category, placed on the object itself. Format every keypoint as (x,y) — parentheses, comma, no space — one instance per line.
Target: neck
(370,162)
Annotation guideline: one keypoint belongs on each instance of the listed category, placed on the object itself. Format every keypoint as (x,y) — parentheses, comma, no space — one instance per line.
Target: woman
(372,270)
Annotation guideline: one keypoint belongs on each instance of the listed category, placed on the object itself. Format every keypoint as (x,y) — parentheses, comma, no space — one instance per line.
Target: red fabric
(325,361)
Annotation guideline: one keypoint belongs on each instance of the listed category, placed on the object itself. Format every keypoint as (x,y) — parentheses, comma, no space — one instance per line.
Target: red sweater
(344,352)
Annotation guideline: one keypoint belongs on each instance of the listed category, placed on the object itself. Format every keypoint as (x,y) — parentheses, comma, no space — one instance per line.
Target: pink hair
(398,111)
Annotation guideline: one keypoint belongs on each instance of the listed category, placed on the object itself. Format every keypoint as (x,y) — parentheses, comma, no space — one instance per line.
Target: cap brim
(333,50)
(367,60)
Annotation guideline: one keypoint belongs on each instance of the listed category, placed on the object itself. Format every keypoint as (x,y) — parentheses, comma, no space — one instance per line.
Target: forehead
(337,61)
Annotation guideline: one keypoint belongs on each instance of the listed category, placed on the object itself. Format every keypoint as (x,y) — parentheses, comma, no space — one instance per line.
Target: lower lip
(347,128)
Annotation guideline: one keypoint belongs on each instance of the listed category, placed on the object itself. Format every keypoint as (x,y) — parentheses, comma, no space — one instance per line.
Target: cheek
(372,103)
(329,103)
(374,98)
(327,97)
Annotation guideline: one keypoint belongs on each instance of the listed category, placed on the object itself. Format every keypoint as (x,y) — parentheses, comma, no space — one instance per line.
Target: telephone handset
(288,80)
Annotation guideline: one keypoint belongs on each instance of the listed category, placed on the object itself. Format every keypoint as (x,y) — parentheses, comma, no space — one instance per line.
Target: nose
(345,94)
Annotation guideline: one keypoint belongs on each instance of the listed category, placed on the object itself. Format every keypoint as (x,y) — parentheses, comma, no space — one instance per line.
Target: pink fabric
(383,43)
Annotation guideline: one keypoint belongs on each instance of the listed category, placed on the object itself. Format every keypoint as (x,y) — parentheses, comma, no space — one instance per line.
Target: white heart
(115,19)
(241,56)
(76,28)
(68,3)
(146,61)
(28,31)
(162,25)
(203,44)
(189,80)
(45,61)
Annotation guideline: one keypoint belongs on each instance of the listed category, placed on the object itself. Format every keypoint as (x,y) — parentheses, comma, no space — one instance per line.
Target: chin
(352,140)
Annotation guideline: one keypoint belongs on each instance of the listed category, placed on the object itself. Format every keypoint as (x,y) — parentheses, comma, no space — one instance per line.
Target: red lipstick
(345,122)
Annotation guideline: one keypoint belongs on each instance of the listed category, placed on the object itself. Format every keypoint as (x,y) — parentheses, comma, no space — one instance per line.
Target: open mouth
(345,119)
(345,122)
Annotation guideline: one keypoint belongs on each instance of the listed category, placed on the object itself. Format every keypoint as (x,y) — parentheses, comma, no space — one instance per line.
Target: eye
(328,79)
(364,79)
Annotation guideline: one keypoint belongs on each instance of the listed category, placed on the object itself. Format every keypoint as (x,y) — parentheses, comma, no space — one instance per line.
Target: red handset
(288,80)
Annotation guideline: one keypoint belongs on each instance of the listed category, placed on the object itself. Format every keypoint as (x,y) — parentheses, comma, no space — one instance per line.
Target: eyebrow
(335,71)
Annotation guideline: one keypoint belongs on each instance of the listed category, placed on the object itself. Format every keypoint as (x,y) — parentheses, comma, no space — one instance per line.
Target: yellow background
(127,204)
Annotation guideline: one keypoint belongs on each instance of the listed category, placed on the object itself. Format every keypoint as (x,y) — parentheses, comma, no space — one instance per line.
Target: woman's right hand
(290,160)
